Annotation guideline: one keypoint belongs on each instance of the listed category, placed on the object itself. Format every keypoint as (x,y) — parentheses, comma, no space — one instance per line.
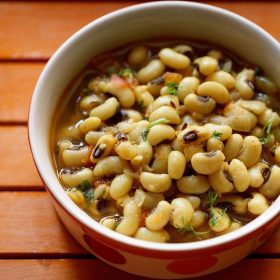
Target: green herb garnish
(216,216)
(87,190)
(212,196)
(172,88)
(267,131)
(217,135)
(189,228)
(147,130)
(126,72)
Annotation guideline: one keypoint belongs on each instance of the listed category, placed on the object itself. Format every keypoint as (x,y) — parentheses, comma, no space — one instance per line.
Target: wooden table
(33,242)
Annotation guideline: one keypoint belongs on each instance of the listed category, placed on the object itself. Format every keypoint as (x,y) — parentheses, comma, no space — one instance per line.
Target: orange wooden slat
(88,269)
(34,30)
(17,84)
(16,165)
(29,225)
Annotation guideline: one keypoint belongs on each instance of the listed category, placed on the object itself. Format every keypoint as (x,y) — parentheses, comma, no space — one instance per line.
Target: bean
(92,137)
(224,131)
(271,189)
(161,154)
(193,134)
(155,183)
(138,55)
(221,218)
(257,204)
(207,65)
(265,85)
(120,186)
(192,149)
(244,83)
(254,106)
(186,86)
(176,164)
(152,70)
(74,157)
(233,146)
(90,101)
(174,59)
(223,78)
(198,219)
(200,104)
(159,133)
(258,174)
(215,90)
(268,115)
(160,236)
(214,144)
(194,184)
(159,217)
(77,177)
(91,123)
(143,96)
(167,100)
(106,110)
(167,112)
(207,163)
(182,212)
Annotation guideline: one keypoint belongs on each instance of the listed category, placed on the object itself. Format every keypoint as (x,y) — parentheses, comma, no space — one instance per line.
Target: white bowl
(158,19)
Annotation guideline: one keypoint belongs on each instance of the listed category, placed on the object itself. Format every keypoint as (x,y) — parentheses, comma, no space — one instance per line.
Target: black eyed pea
(131,216)
(91,123)
(233,146)
(177,146)
(268,115)
(182,212)
(74,156)
(223,78)
(160,236)
(138,56)
(198,219)
(154,69)
(126,150)
(239,204)
(207,163)
(155,183)
(167,112)
(193,134)
(217,119)
(70,179)
(120,186)
(220,181)
(109,223)
(77,196)
(64,144)
(133,115)
(184,49)
(90,101)
(102,191)
(233,226)
(194,184)
(239,175)
(155,86)
(160,162)
(275,152)
(135,131)
(200,104)
(92,137)
(147,200)
(214,144)
(207,65)
(112,165)
(106,110)
(220,220)
(192,149)
(194,200)
(255,106)
(265,85)
(216,54)
(257,204)
(239,118)
(159,217)
(168,100)
(215,90)
(271,188)
(186,86)
(258,174)
(245,83)
(159,133)
(146,151)
(69,132)
(176,164)
(251,151)
(103,147)
(257,131)
(174,59)
(143,96)
(224,131)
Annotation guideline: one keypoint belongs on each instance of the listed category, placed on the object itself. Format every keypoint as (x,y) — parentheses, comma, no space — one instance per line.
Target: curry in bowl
(169,141)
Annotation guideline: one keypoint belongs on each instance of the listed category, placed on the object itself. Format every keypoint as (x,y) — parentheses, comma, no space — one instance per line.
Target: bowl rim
(78,213)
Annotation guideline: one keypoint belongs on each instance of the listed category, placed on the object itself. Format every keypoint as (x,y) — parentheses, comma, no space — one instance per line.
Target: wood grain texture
(34,30)
(16,88)
(29,225)
(17,169)
(78,269)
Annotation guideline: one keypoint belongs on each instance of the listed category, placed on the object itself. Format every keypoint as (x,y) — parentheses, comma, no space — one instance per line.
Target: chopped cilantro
(87,190)
(217,135)
(126,72)
(267,131)
(156,122)
(172,88)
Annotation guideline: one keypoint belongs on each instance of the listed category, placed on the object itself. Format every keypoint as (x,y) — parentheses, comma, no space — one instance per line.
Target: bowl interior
(159,19)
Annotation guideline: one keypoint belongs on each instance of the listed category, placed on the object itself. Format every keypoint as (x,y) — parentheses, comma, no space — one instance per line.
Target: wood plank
(38,39)
(17,168)
(29,225)
(16,88)
(46,235)
(73,269)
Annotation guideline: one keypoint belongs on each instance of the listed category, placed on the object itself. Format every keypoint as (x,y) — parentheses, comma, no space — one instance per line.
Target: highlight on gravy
(170,142)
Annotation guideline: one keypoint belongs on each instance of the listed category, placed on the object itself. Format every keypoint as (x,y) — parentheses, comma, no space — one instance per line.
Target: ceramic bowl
(157,19)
